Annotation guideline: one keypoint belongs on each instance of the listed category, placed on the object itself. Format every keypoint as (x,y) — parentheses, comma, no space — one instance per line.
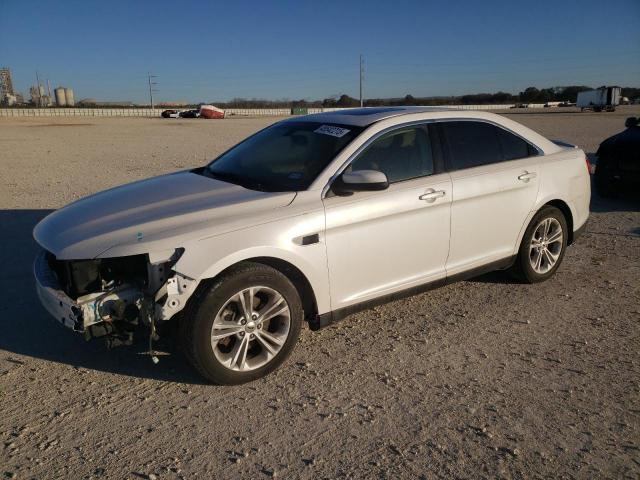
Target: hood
(154,213)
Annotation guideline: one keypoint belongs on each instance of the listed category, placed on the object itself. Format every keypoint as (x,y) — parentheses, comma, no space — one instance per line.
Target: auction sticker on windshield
(333,131)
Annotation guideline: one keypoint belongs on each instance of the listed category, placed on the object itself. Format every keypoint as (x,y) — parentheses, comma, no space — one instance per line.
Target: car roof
(363,117)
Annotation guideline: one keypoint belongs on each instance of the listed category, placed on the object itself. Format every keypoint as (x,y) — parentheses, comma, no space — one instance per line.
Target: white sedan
(311,219)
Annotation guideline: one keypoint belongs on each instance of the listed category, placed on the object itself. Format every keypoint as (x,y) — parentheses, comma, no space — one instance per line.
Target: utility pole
(151,89)
(38,87)
(361,79)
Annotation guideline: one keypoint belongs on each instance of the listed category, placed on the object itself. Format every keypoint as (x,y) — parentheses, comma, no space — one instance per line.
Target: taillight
(590,168)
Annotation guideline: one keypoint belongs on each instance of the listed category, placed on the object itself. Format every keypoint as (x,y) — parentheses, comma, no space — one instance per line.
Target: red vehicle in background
(209,111)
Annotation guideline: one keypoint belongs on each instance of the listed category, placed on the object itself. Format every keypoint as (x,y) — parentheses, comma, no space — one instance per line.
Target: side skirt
(326,319)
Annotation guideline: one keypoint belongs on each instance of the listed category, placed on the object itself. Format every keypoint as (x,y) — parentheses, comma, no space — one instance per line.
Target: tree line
(529,95)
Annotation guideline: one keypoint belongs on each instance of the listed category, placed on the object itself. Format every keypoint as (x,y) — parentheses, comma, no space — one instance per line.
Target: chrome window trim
(495,124)
(374,137)
(362,147)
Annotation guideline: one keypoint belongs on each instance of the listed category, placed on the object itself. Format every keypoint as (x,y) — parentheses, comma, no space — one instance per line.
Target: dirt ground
(481,379)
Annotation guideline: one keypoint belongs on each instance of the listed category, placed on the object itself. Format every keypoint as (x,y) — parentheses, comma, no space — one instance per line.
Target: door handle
(432,195)
(525,177)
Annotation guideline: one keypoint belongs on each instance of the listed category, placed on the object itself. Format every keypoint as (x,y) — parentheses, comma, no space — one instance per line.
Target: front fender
(207,258)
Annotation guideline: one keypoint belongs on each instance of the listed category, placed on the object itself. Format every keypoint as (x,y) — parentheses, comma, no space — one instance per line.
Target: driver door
(386,241)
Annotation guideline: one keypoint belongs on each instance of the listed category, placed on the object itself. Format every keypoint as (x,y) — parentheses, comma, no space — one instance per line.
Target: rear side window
(472,144)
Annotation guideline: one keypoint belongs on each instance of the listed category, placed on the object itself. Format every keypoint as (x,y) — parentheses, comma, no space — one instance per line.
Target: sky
(203,51)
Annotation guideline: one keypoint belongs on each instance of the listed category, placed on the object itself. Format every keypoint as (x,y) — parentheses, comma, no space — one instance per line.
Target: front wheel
(243,325)
(543,246)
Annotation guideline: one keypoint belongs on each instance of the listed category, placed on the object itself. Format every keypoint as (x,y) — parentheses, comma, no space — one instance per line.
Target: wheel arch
(297,277)
(566,211)
(554,202)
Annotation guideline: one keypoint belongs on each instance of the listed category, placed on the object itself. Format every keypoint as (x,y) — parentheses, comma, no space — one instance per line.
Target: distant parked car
(566,104)
(619,160)
(190,114)
(521,105)
(170,114)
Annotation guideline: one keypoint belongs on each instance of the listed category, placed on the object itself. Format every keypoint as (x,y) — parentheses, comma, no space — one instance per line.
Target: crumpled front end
(110,297)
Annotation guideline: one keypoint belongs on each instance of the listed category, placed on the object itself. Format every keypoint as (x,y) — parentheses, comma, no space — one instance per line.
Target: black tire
(201,310)
(522,268)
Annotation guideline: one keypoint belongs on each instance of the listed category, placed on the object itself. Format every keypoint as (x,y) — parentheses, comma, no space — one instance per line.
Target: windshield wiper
(235,179)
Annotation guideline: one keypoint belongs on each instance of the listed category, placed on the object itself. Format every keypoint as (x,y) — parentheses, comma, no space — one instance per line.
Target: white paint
(371,243)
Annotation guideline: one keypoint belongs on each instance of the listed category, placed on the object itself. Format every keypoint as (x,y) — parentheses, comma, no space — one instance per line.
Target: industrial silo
(61,97)
(68,92)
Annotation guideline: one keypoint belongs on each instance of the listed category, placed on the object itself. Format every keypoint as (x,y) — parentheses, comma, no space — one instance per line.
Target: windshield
(284,157)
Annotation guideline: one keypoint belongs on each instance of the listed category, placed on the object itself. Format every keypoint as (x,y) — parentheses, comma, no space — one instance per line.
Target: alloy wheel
(251,328)
(546,245)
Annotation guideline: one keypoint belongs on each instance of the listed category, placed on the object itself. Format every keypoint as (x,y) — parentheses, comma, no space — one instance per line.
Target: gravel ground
(481,379)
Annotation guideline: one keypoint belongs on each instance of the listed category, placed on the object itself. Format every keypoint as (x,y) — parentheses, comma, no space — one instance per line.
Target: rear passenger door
(495,180)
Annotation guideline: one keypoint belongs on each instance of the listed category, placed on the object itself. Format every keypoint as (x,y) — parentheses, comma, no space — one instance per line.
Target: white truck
(605,98)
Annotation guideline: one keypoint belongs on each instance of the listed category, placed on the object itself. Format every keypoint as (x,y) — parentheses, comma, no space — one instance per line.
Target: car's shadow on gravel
(27,329)
(627,198)
(499,276)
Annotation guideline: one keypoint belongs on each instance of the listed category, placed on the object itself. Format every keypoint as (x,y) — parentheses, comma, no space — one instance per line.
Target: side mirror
(631,122)
(360,181)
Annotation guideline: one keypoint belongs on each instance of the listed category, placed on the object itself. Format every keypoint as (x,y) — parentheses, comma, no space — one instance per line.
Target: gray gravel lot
(481,379)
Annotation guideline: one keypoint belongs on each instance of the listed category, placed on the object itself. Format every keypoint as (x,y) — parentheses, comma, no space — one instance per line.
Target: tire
(246,349)
(524,268)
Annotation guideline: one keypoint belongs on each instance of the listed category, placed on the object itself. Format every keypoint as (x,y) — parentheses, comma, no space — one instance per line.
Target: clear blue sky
(214,50)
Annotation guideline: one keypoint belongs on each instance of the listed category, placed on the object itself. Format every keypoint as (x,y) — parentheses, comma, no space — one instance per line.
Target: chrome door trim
(495,124)
(368,142)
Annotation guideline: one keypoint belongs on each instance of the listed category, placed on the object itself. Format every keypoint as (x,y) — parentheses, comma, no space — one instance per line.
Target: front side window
(472,144)
(284,157)
(401,155)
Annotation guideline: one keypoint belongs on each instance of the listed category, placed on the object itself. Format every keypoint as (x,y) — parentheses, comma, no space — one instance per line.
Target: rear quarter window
(514,147)
(472,144)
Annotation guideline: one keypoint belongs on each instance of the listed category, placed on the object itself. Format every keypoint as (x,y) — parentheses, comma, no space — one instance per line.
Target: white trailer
(605,98)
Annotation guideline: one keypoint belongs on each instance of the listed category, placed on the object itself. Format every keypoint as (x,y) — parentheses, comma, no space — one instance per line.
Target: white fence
(80,112)
(230,112)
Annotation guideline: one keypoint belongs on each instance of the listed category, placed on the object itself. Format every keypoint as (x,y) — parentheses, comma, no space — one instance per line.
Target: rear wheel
(543,246)
(243,325)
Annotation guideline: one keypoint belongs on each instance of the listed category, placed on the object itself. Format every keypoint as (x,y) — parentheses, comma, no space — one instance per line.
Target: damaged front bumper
(112,309)
(113,313)
(53,299)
